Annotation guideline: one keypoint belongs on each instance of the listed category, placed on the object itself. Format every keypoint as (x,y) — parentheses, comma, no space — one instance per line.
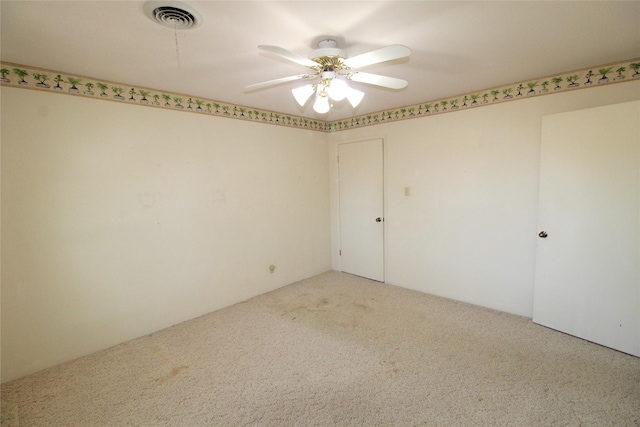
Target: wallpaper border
(617,72)
(26,77)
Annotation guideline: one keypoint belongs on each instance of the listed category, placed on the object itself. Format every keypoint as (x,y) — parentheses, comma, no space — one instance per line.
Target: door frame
(335,201)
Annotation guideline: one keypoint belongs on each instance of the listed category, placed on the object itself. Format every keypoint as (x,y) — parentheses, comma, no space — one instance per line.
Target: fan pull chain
(175,31)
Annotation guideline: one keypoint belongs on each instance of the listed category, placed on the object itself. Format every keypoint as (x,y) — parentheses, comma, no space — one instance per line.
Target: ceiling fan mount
(327,48)
(332,68)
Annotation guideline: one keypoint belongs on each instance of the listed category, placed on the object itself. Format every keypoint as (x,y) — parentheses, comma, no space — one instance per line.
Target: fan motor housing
(327,48)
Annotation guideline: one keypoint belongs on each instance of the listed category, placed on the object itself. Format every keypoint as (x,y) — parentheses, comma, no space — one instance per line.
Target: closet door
(361,173)
(587,280)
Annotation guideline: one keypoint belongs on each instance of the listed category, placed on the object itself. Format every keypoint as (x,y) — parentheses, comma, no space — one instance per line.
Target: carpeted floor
(337,349)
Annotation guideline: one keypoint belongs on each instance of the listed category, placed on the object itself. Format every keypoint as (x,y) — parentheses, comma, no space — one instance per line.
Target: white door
(587,281)
(360,170)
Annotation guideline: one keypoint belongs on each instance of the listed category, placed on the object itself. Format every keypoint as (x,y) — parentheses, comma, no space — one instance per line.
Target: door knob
(378,219)
(543,234)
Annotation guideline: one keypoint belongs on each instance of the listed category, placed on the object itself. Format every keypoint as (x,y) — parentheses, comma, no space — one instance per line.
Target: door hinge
(340,252)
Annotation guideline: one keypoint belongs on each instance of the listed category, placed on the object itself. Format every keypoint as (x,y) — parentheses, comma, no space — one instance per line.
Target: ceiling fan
(332,69)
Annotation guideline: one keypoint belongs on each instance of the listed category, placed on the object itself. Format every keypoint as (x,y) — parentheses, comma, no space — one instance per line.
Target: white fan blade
(293,57)
(375,79)
(395,51)
(275,82)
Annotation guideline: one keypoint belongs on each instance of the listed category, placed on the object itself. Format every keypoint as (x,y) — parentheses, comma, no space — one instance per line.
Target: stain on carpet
(173,373)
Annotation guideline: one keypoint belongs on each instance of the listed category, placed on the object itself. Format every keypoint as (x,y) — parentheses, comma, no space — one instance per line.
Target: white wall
(468,231)
(120,220)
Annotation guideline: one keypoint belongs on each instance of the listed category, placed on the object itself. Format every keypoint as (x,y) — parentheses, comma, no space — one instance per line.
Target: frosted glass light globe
(321,105)
(338,89)
(354,96)
(302,94)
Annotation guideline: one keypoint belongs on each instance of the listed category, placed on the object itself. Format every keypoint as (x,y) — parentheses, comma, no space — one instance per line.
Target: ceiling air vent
(173,14)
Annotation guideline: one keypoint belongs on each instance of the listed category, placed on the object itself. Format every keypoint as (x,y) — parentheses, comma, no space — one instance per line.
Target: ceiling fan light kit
(332,70)
(332,87)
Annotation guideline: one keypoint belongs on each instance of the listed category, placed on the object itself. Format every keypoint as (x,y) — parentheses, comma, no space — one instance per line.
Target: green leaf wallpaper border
(26,77)
(619,72)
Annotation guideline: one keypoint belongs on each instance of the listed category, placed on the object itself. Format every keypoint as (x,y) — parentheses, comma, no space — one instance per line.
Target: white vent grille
(173,14)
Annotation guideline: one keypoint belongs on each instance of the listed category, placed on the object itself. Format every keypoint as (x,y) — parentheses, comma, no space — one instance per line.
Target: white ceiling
(457,46)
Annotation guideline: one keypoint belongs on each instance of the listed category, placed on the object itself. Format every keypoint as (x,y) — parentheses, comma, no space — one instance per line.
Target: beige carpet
(338,350)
